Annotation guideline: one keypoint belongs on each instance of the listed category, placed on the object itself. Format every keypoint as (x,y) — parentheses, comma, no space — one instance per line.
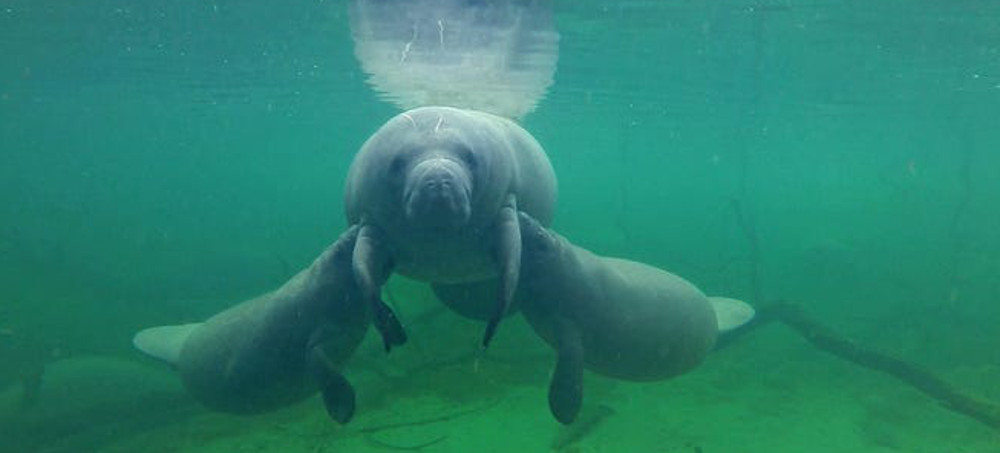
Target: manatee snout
(437,193)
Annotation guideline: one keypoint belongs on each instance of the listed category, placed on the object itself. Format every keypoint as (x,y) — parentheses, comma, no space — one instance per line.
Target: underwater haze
(164,161)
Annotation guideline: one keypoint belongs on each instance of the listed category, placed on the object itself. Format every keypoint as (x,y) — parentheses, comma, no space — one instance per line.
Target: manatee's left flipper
(372,264)
(566,387)
(508,256)
(338,397)
(338,394)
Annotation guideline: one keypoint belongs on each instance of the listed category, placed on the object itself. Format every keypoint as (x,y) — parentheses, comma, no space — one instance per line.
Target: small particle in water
(695,448)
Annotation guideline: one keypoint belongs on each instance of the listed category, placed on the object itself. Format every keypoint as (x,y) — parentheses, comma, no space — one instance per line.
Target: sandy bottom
(770,392)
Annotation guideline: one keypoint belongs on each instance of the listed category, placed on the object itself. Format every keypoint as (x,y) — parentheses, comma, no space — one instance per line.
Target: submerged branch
(427,421)
(919,378)
(381,443)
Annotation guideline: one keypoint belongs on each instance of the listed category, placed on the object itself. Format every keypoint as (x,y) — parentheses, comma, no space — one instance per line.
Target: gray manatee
(435,192)
(618,318)
(278,348)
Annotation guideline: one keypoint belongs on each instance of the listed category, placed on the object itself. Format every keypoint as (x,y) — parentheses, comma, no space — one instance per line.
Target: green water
(161,162)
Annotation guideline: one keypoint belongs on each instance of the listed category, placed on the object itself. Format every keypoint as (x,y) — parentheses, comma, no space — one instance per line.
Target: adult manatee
(278,348)
(619,318)
(435,194)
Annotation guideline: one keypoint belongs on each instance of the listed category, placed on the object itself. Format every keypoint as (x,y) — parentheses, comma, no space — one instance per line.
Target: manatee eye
(468,157)
(397,165)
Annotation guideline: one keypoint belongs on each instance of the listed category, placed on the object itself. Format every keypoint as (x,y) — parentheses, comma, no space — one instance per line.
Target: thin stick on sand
(427,421)
(379,443)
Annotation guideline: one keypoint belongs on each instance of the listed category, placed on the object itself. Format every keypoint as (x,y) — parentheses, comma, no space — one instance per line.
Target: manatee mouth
(437,194)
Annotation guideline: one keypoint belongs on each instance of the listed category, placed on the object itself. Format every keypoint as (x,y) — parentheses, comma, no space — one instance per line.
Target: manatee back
(535,179)
(646,323)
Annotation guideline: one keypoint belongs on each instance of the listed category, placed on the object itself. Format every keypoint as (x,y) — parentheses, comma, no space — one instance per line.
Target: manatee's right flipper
(338,394)
(508,256)
(372,265)
(566,387)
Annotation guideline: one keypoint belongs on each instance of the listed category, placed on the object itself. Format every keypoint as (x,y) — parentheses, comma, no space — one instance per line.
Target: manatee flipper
(730,314)
(566,387)
(371,264)
(338,394)
(164,342)
(508,254)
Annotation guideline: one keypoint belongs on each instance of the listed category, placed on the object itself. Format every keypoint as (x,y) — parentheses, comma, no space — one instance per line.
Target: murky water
(161,162)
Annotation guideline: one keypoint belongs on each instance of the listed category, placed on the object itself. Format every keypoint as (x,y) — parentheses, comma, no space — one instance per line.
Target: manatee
(435,194)
(278,348)
(472,300)
(618,318)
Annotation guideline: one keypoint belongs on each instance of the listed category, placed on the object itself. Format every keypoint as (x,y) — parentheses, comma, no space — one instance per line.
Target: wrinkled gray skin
(435,192)
(618,318)
(278,348)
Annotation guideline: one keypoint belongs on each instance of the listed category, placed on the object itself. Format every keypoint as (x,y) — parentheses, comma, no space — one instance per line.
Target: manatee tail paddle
(164,342)
(731,313)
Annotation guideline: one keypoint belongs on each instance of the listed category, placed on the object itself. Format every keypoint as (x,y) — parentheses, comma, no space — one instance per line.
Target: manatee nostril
(442,182)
